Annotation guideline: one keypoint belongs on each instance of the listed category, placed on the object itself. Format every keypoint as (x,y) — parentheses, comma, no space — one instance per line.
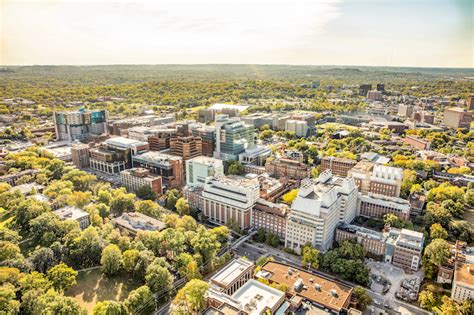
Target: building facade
(377,179)
(230,199)
(320,205)
(338,166)
(135,178)
(169,167)
(80,155)
(270,217)
(233,137)
(287,168)
(201,167)
(377,206)
(455,117)
(81,124)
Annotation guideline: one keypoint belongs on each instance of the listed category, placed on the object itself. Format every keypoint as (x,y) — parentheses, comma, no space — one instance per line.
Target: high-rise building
(207,135)
(298,127)
(81,124)
(169,167)
(187,147)
(201,167)
(338,166)
(405,110)
(115,154)
(364,89)
(374,95)
(378,179)
(230,199)
(456,117)
(135,178)
(80,155)
(233,136)
(160,139)
(320,205)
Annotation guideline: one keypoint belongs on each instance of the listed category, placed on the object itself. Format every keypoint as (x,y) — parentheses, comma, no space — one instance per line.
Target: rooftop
(219,106)
(124,142)
(255,297)
(464,274)
(137,221)
(26,188)
(322,291)
(70,213)
(231,272)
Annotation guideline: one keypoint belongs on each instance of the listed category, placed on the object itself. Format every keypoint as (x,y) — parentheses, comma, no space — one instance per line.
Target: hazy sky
(437,33)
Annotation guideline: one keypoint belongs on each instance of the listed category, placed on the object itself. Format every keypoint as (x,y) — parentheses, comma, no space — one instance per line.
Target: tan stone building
(287,168)
(378,179)
(270,217)
(455,117)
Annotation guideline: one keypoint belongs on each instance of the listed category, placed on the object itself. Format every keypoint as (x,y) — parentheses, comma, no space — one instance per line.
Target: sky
(419,33)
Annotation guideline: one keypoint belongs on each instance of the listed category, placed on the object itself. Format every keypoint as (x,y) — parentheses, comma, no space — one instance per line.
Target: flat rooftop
(70,213)
(233,270)
(255,297)
(463,274)
(325,292)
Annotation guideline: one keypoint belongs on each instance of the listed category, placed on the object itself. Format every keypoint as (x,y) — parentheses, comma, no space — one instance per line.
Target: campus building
(201,167)
(463,282)
(80,154)
(320,205)
(134,222)
(169,167)
(81,124)
(230,199)
(338,166)
(377,206)
(455,117)
(135,178)
(233,276)
(73,213)
(283,167)
(378,179)
(233,137)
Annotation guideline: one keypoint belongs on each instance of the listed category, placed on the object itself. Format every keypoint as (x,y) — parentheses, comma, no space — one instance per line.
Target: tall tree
(62,277)
(111,260)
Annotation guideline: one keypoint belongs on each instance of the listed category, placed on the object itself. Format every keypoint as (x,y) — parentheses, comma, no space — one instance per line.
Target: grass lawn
(93,287)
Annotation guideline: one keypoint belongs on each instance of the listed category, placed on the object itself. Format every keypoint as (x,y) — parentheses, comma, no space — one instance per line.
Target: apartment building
(270,217)
(80,154)
(233,276)
(320,205)
(463,282)
(230,199)
(115,154)
(338,166)
(81,124)
(135,178)
(201,167)
(377,206)
(233,137)
(169,167)
(283,167)
(378,179)
(455,117)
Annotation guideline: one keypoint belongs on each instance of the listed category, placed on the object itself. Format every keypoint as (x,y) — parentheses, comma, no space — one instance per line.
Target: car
(387,306)
(376,302)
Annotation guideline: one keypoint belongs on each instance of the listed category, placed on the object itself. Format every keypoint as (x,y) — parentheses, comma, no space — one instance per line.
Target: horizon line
(231,64)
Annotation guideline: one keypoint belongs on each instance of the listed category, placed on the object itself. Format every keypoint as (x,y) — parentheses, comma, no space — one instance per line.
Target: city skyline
(362,32)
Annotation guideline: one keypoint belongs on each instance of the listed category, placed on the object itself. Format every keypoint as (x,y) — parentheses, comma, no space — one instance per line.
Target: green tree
(191,298)
(8,302)
(290,196)
(62,277)
(144,192)
(42,259)
(53,303)
(235,168)
(172,197)
(158,278)
(436,254)
(437,231)
(137,299)
(148,207)
(109,308)
(363,299)
(111,260)
(130,259)
(182,206)
(310,257)
(121,201)
(8,250)
(427,300)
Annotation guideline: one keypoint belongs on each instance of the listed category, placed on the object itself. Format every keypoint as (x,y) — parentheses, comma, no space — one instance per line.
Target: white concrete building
(73,213)
(230,198)
(299,127)
(201,167)
(320,205)
(463,282)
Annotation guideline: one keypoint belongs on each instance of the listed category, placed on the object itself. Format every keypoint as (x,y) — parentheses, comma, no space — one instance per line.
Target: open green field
(93,287)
